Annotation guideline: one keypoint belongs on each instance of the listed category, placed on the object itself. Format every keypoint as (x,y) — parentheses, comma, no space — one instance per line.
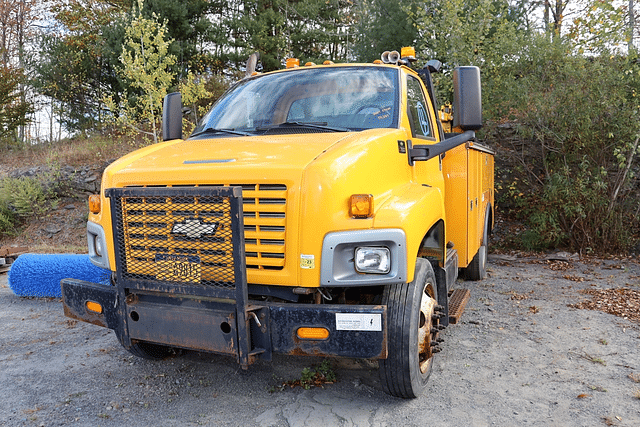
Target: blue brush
(39,275)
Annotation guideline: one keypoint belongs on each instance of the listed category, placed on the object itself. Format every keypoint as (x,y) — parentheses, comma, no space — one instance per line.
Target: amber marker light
(408,52)
(94,203)
(361,206)
(94,307)
(293,63)
(313,333)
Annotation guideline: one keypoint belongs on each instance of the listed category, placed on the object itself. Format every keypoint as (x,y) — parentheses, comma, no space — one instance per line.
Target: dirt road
(520,357)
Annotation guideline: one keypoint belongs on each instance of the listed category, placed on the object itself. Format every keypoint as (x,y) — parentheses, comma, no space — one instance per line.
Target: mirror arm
(426,152)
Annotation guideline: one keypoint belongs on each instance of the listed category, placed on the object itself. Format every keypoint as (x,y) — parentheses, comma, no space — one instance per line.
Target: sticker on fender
(358,321)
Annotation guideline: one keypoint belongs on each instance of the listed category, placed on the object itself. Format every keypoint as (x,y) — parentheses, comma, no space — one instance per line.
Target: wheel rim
(425,334)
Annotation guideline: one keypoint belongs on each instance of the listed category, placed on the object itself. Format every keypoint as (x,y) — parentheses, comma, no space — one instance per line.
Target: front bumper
(209,324)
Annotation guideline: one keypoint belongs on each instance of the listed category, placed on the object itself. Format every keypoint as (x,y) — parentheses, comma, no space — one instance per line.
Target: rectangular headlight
(372,260)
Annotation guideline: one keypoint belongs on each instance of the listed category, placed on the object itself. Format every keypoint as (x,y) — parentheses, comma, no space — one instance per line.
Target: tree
(319,31)
(146,69)
(77,60)
(384,25)
(189,28)
(600,26)
(14,110)
(16,19)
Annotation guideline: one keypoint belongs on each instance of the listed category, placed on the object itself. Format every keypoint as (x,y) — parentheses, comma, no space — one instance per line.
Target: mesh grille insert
(195,248)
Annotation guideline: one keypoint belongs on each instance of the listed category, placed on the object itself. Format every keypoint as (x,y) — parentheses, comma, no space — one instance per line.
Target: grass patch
(73,152)
(314,376)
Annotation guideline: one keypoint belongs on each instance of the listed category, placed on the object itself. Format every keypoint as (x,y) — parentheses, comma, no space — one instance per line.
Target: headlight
(372,260)
(97,242)
(98,246)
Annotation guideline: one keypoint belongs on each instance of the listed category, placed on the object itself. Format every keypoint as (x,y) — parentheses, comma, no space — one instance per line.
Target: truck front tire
(411,310)
(147,350)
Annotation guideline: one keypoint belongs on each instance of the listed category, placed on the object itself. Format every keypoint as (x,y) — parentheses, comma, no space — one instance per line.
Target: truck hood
(204,160)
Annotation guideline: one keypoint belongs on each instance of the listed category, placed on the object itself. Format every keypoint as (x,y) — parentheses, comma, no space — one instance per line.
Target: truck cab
(316,210)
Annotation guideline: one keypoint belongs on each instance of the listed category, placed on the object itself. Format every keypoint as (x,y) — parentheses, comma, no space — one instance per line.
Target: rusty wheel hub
(426,333)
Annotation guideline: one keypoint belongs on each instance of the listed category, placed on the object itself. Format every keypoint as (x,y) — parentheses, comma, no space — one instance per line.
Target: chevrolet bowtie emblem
(194,228)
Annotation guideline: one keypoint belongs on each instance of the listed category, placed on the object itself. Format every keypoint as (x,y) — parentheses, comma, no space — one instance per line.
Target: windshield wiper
(308,125)
(214,130)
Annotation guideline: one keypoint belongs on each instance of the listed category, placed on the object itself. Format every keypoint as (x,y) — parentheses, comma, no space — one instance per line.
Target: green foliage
(576,128)
(317,375)
(146,69)
(13,108)
(314,376)
(76,66)
(384,25)
(279,29)
(600,27)
(468,32)
(194,96)
(188,28)
(21,198)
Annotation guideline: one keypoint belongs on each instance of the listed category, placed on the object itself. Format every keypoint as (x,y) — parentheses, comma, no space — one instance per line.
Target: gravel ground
(519,357)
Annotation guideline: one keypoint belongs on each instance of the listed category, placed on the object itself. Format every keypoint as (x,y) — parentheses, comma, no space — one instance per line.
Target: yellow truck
(316,210)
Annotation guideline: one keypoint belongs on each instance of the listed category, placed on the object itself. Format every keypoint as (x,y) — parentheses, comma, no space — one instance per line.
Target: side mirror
(172,117)
(467,98)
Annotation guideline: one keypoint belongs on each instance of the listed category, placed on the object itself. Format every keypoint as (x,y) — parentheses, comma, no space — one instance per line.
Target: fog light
(372,260)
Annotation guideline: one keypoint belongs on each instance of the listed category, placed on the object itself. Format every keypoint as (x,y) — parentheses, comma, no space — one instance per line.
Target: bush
(21,198)
(573,133)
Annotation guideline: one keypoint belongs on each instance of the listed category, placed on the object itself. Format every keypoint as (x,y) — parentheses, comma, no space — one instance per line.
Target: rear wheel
(412,314)
(477,269)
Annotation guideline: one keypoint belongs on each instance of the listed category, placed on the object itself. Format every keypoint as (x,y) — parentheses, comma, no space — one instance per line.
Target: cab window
(418,110)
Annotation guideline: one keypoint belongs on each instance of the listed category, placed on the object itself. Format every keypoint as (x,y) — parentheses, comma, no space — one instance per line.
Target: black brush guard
(181,281)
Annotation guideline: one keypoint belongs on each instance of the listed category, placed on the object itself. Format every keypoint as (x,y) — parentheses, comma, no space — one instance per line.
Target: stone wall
(66,180)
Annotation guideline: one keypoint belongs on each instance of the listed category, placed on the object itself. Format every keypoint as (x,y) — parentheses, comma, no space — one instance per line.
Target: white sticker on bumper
(358,321)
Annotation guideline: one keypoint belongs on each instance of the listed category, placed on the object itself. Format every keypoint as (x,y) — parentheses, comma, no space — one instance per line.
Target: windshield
(320,99)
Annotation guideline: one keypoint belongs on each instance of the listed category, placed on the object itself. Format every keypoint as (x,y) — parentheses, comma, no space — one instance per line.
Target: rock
(52,229)
(66,180)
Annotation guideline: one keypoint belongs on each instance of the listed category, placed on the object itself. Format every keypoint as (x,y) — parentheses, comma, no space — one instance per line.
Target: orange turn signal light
(313,333)
(94,203)
(293,63)
(94,307)
(361,206)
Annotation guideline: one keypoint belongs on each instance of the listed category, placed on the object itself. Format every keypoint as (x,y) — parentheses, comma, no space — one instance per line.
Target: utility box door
(468,174)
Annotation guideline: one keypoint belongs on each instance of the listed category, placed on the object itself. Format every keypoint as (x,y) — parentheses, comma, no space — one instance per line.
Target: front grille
(187,238)
(173,237)
(264,208)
